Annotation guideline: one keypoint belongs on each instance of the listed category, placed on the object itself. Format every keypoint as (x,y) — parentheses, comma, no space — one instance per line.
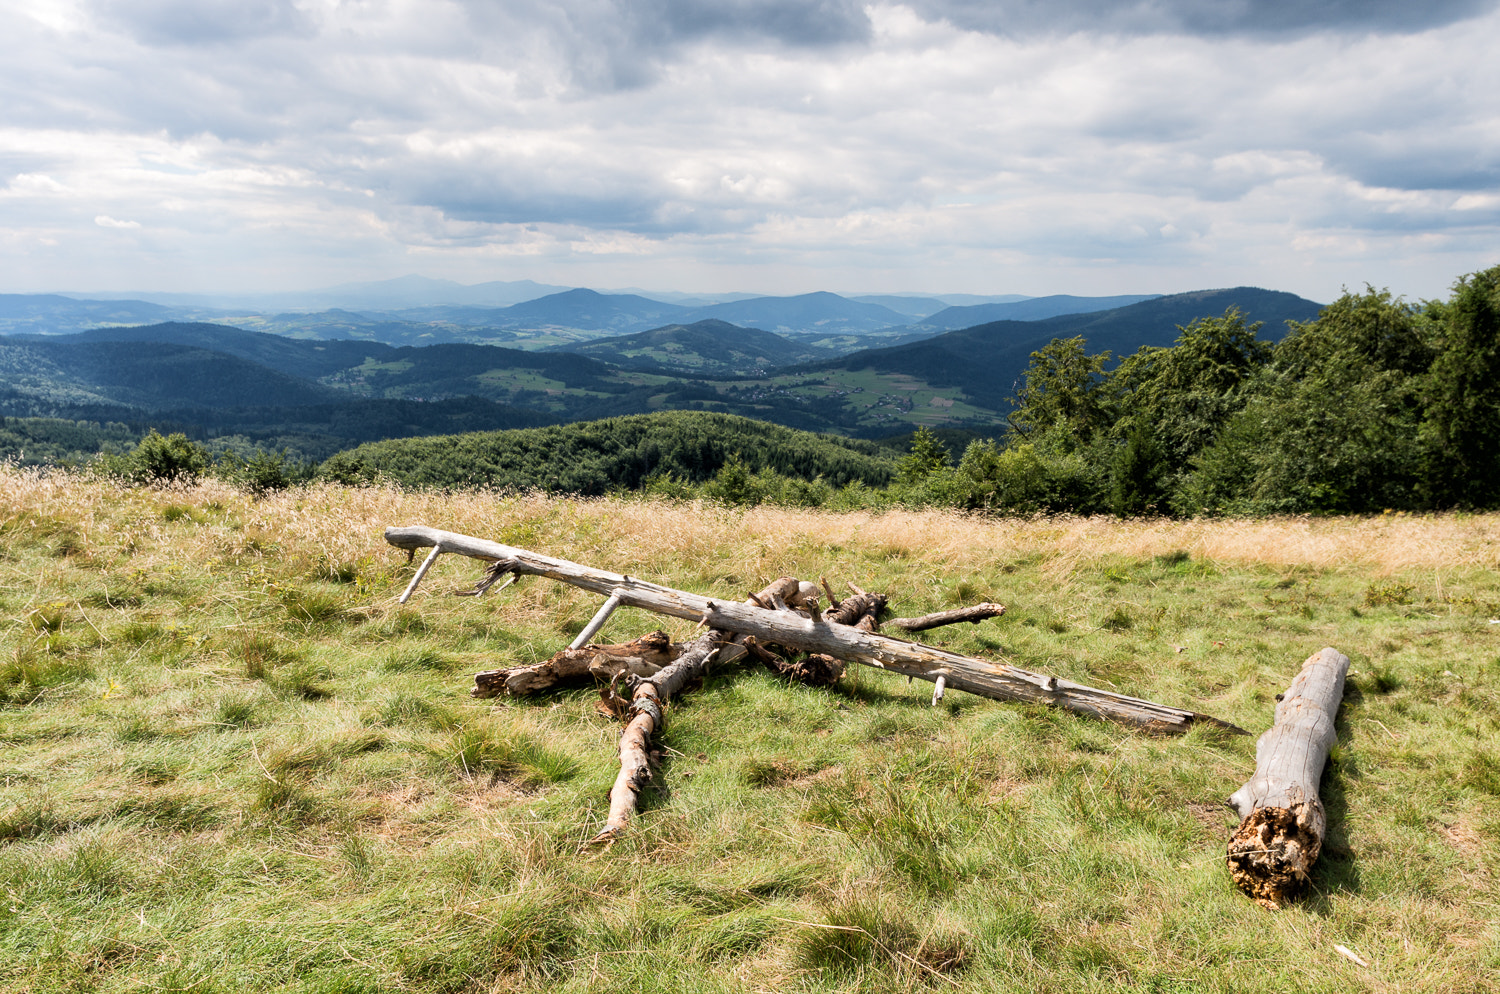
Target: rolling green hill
(983,363)
(210,379)
(147,374)
(294,357)
(596,457)
(703,348)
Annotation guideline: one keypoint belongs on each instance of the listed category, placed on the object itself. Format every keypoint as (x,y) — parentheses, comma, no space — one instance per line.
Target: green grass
(229,761)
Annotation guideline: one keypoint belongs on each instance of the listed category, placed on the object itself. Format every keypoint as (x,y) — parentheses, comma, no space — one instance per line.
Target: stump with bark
(1282,820)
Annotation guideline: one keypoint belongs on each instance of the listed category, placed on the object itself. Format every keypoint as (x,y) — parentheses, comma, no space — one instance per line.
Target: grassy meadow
(229,761)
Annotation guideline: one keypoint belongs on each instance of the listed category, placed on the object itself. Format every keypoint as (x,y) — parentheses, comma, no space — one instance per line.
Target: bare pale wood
(976,676)
(1282,821)
(974,615)
(646,719)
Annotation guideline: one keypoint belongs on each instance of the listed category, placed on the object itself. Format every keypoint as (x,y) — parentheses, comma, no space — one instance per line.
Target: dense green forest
(1376,405)
(674,450)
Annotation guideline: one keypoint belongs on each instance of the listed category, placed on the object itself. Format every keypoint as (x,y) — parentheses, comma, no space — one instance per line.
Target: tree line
(1377,404)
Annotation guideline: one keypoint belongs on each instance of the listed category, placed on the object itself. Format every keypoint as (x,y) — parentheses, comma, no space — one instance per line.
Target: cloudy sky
(776,146)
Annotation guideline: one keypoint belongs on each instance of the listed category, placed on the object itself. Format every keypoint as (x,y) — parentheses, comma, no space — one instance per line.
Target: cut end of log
(1273,850)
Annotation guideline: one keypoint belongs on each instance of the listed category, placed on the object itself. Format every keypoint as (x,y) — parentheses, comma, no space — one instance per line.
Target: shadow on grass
(1337,870)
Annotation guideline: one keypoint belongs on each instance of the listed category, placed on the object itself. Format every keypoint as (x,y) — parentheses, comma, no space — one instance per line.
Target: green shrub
(170,459)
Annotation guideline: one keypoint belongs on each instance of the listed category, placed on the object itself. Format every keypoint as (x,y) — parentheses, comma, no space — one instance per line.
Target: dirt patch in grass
(1211,818)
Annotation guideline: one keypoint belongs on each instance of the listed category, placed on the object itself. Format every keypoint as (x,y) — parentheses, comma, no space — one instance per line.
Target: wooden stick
(597,622)
(1282,818)
(646,719)
(421,572)
(977,676)
(973,615)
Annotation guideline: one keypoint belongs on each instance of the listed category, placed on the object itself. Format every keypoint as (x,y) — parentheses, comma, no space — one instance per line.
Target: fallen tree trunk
(642,657)
(977,676)
(1281,816)
(974,615)
(646,718)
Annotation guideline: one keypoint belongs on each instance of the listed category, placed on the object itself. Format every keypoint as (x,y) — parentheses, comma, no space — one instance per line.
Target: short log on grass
(815,634)
(1281,816)
(646,718)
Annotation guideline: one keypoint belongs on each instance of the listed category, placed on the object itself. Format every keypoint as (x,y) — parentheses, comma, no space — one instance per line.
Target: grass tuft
(506,754)
(29,674)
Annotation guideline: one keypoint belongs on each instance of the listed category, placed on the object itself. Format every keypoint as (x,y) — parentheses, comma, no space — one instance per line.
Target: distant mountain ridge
(229,380)
(1031,309)
(986,361)
(704,348)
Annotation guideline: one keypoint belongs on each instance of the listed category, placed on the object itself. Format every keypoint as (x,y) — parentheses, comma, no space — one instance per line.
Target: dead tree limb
(860,611)
(959,672)
(647,718)
(1282,819)
(642,657)
(974,615)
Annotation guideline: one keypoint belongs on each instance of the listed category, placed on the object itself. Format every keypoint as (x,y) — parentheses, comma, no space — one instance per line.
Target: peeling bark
(974,615)
(1282,819)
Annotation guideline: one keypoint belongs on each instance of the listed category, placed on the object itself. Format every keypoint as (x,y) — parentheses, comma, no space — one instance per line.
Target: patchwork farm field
(230,761)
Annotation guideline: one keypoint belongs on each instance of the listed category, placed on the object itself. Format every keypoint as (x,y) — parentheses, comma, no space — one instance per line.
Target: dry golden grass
(345,524)
(242,760)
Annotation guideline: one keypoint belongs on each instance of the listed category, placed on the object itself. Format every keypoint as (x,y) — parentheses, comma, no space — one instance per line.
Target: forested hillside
(707,348)
(985,362)
(1378,404)
(617,453)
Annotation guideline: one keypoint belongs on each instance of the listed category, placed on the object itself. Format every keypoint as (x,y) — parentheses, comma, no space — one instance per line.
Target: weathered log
(642,657)
(647,718)
(974,615)
(1282,820)
(860,611)
(977,676)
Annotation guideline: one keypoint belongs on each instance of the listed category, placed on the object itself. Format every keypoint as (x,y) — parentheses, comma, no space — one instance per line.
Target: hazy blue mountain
(911,307)
(968,299)
(394,294)
(1031,309)
(704,348)
(294,357)
(420,291)
(618,314)
(820,311)
(986,361)
(50,313)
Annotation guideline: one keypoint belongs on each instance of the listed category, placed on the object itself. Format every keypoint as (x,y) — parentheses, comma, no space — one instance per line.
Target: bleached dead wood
(816,635)
(647,718)
(1282,820)
(974,615)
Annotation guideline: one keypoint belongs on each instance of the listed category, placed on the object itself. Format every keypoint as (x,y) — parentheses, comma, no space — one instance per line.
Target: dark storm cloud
(828,22)
(1200,17)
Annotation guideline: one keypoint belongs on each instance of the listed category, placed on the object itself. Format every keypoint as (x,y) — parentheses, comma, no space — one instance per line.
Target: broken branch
(973,615)
(977,676)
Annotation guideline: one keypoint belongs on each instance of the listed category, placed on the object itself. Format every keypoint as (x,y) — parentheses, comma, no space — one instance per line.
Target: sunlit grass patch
(227,753)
